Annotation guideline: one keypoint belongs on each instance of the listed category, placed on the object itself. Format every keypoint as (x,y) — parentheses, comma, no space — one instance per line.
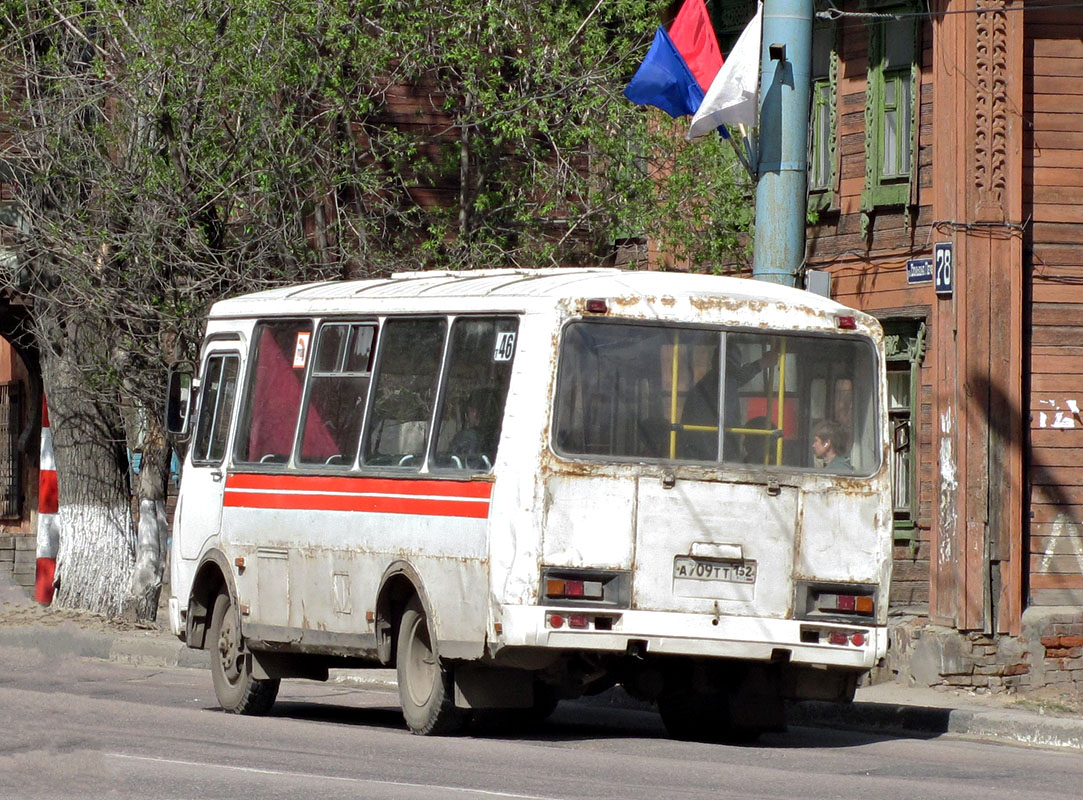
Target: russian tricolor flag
(680,65)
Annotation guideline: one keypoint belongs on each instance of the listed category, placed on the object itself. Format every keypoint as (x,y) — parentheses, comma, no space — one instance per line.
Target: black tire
(545,703)
(426,689)
(700,717)
(237,691)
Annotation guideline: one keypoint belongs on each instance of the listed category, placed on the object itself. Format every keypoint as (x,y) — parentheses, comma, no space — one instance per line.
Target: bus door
(203,487)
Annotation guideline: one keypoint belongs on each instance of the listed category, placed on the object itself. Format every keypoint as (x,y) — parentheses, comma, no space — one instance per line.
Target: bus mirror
(178,401)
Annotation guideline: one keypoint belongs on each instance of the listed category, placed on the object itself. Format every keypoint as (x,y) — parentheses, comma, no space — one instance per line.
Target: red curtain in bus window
(758,407)
(276,400)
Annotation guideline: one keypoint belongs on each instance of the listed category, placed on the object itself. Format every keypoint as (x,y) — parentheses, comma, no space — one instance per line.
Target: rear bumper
(701,635)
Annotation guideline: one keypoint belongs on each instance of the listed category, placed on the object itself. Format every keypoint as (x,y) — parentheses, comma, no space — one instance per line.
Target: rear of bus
(699,541)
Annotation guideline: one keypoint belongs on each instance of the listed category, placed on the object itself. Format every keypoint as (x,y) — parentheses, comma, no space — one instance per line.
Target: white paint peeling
(949,485)
(1062,421)
(1064,540)
(1065,417)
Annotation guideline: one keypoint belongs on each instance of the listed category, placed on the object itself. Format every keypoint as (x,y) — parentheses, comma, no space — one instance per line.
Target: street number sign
(943,268)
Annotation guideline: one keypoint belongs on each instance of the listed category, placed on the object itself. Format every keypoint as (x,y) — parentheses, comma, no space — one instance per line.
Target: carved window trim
(904,348)
(885,190)
(823,190)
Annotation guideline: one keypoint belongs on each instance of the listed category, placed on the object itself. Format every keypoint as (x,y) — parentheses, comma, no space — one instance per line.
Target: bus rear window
(266,428)
(757,400)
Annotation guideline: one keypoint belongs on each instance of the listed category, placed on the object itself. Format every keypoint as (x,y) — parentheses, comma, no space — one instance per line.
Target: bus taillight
(559,588)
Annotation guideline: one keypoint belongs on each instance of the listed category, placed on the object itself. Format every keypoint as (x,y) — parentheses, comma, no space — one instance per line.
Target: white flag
(733,98)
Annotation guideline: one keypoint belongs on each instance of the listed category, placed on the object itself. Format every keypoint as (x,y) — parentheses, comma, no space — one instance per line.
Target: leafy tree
(175,152)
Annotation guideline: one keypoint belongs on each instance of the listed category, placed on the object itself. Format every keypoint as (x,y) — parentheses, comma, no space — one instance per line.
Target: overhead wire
(834,13)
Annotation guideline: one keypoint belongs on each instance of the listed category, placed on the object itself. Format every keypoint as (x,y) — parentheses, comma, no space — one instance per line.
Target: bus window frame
(321,323)
(377,371)
(227,453)
(251,364)
(876,410)
(441,395)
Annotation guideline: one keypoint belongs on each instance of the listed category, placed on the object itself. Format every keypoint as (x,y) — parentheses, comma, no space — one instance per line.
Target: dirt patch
(18,609)
(30,613)
(1053,701)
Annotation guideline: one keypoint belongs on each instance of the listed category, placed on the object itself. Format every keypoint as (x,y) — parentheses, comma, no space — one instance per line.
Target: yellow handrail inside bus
(781,397)
(673,399)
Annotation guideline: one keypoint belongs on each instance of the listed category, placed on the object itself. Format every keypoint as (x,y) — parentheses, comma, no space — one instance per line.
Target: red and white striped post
(48,518)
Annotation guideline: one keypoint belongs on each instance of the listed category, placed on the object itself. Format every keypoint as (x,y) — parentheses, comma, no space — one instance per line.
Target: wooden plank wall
(1053,186)
(870,272)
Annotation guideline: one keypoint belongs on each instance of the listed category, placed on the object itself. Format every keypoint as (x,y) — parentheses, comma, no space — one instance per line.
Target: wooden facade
(1053,196)
(997,143)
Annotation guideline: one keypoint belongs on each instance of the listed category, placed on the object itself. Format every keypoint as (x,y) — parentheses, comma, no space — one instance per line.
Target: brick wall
(18,559)
(1048,653)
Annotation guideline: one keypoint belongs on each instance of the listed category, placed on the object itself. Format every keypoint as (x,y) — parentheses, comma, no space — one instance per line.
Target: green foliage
(179,151)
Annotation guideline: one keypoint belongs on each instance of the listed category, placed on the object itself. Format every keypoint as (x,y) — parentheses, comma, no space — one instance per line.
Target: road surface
(90,729)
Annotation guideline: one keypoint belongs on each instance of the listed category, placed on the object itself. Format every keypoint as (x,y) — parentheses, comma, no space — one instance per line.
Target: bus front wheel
(426,688)
(237,691)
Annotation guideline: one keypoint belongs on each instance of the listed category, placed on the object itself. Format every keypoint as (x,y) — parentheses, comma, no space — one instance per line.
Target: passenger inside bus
(759,448)
(829,446)
(701,407)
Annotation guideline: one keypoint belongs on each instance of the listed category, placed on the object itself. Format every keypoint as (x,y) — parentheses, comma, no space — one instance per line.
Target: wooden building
(946,170)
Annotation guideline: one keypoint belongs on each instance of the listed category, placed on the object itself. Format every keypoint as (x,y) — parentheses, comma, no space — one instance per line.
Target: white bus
(518,486)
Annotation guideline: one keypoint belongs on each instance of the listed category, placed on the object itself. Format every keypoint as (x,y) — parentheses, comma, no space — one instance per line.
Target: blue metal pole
(785,84)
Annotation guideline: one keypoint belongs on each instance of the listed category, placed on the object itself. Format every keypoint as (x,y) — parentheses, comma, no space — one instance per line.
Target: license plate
(699,569)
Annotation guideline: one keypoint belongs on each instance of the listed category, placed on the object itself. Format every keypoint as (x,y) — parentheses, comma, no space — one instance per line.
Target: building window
(904,343)
(890,110)
(822,171)
(11,473)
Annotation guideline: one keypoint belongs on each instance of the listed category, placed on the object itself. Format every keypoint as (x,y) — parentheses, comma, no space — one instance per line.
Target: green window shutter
(904,346)
(891,103)
(823,120)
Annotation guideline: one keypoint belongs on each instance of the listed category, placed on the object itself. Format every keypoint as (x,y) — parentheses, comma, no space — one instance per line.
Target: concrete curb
(1017,727)
(155,648)
(146,648)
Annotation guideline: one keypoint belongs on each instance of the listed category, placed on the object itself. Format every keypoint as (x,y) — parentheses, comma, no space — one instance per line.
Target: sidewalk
(886,708)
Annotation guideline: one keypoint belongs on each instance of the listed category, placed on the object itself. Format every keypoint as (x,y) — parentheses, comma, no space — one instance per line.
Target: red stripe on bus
(397,486)
(423,506)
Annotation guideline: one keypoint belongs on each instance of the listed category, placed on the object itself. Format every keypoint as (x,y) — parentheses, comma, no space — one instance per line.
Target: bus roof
(527,288)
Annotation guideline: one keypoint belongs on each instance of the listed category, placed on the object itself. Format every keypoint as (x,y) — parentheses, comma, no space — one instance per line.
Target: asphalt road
(88,729)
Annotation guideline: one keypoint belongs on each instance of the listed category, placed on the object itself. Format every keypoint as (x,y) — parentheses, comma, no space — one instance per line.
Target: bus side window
(404,392)
(475,389)
(338,386)
(267,424)
(215,409)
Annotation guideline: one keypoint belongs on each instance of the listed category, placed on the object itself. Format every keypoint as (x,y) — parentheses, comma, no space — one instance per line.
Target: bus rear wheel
(237,691)
(702,717)
(426,688)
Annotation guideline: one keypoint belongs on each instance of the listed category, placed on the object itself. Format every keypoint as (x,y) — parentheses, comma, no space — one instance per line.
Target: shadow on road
(576,721)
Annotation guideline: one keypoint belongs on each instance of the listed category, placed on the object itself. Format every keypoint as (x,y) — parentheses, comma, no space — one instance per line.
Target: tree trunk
(153,528)
(96,557)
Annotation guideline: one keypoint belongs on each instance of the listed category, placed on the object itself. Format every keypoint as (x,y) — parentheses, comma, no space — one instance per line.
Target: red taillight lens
(556,621)
(578,621)
(597,305)
(857,639)
(846,323)
(564,588)
(837,637)
(847,602)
